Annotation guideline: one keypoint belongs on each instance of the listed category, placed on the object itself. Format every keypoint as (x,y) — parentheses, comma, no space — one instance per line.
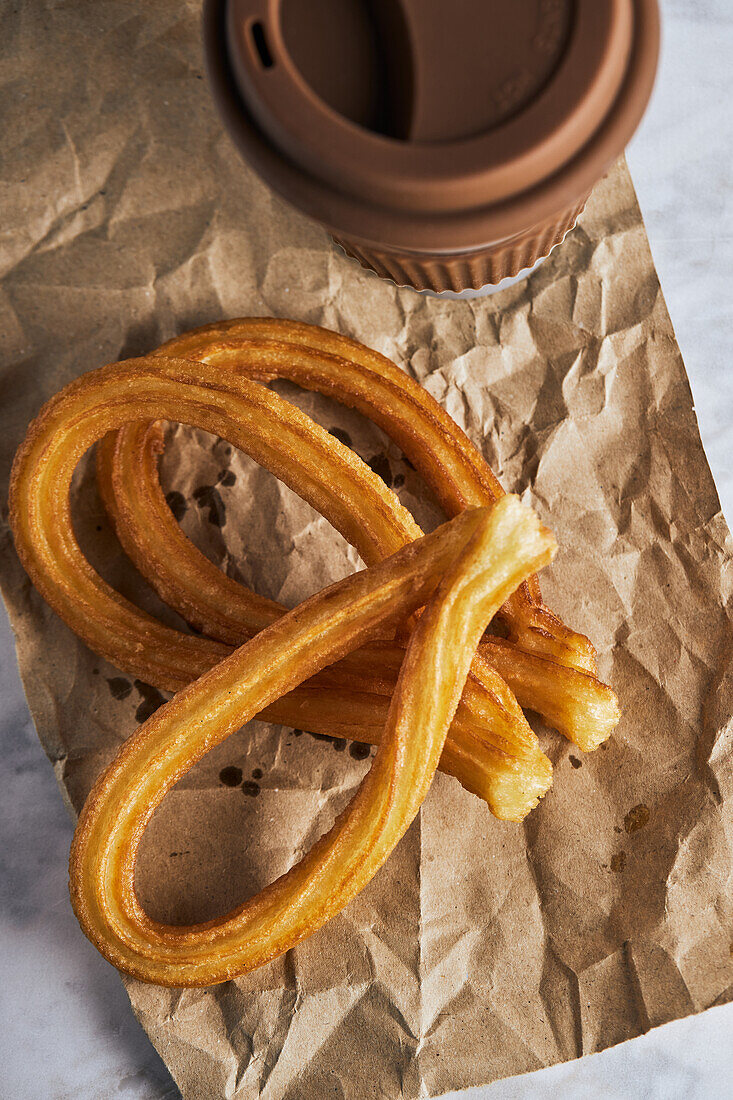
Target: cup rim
(384,226)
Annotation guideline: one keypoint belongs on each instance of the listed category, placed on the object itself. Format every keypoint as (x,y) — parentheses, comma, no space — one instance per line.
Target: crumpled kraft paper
(481,949)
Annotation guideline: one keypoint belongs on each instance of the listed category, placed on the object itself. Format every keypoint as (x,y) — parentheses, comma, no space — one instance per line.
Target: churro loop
(468,567)
(465,570)
(549,668)
(453,469)
(396,655)
(491,749)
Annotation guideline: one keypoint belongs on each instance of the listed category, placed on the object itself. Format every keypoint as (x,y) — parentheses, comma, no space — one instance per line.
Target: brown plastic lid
(427,125)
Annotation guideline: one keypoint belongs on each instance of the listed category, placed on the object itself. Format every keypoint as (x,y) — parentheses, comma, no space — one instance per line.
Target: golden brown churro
(577,704)
(465,569)
(396,655)
(508,769)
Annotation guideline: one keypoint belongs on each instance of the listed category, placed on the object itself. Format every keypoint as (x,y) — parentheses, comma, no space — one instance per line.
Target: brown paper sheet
(481,949)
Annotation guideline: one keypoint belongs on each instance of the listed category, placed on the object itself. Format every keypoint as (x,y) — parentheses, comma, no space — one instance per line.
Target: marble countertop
(73,1034)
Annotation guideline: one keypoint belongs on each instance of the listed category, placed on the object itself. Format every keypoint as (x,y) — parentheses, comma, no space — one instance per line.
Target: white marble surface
(72,1034)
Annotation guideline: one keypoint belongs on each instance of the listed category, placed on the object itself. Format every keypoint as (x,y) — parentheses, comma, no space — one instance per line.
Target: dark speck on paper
(342,436)
(177,504)
(618,861)
(358,750)
(151,700)
(636,818)
(208,496)
(119,687)
(251,788)
(257,773)
(230,776)
(380,465)
(339,743)
(227,478)
(575,762)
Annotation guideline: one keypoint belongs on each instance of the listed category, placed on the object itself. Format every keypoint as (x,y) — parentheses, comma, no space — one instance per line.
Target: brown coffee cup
(444,146)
